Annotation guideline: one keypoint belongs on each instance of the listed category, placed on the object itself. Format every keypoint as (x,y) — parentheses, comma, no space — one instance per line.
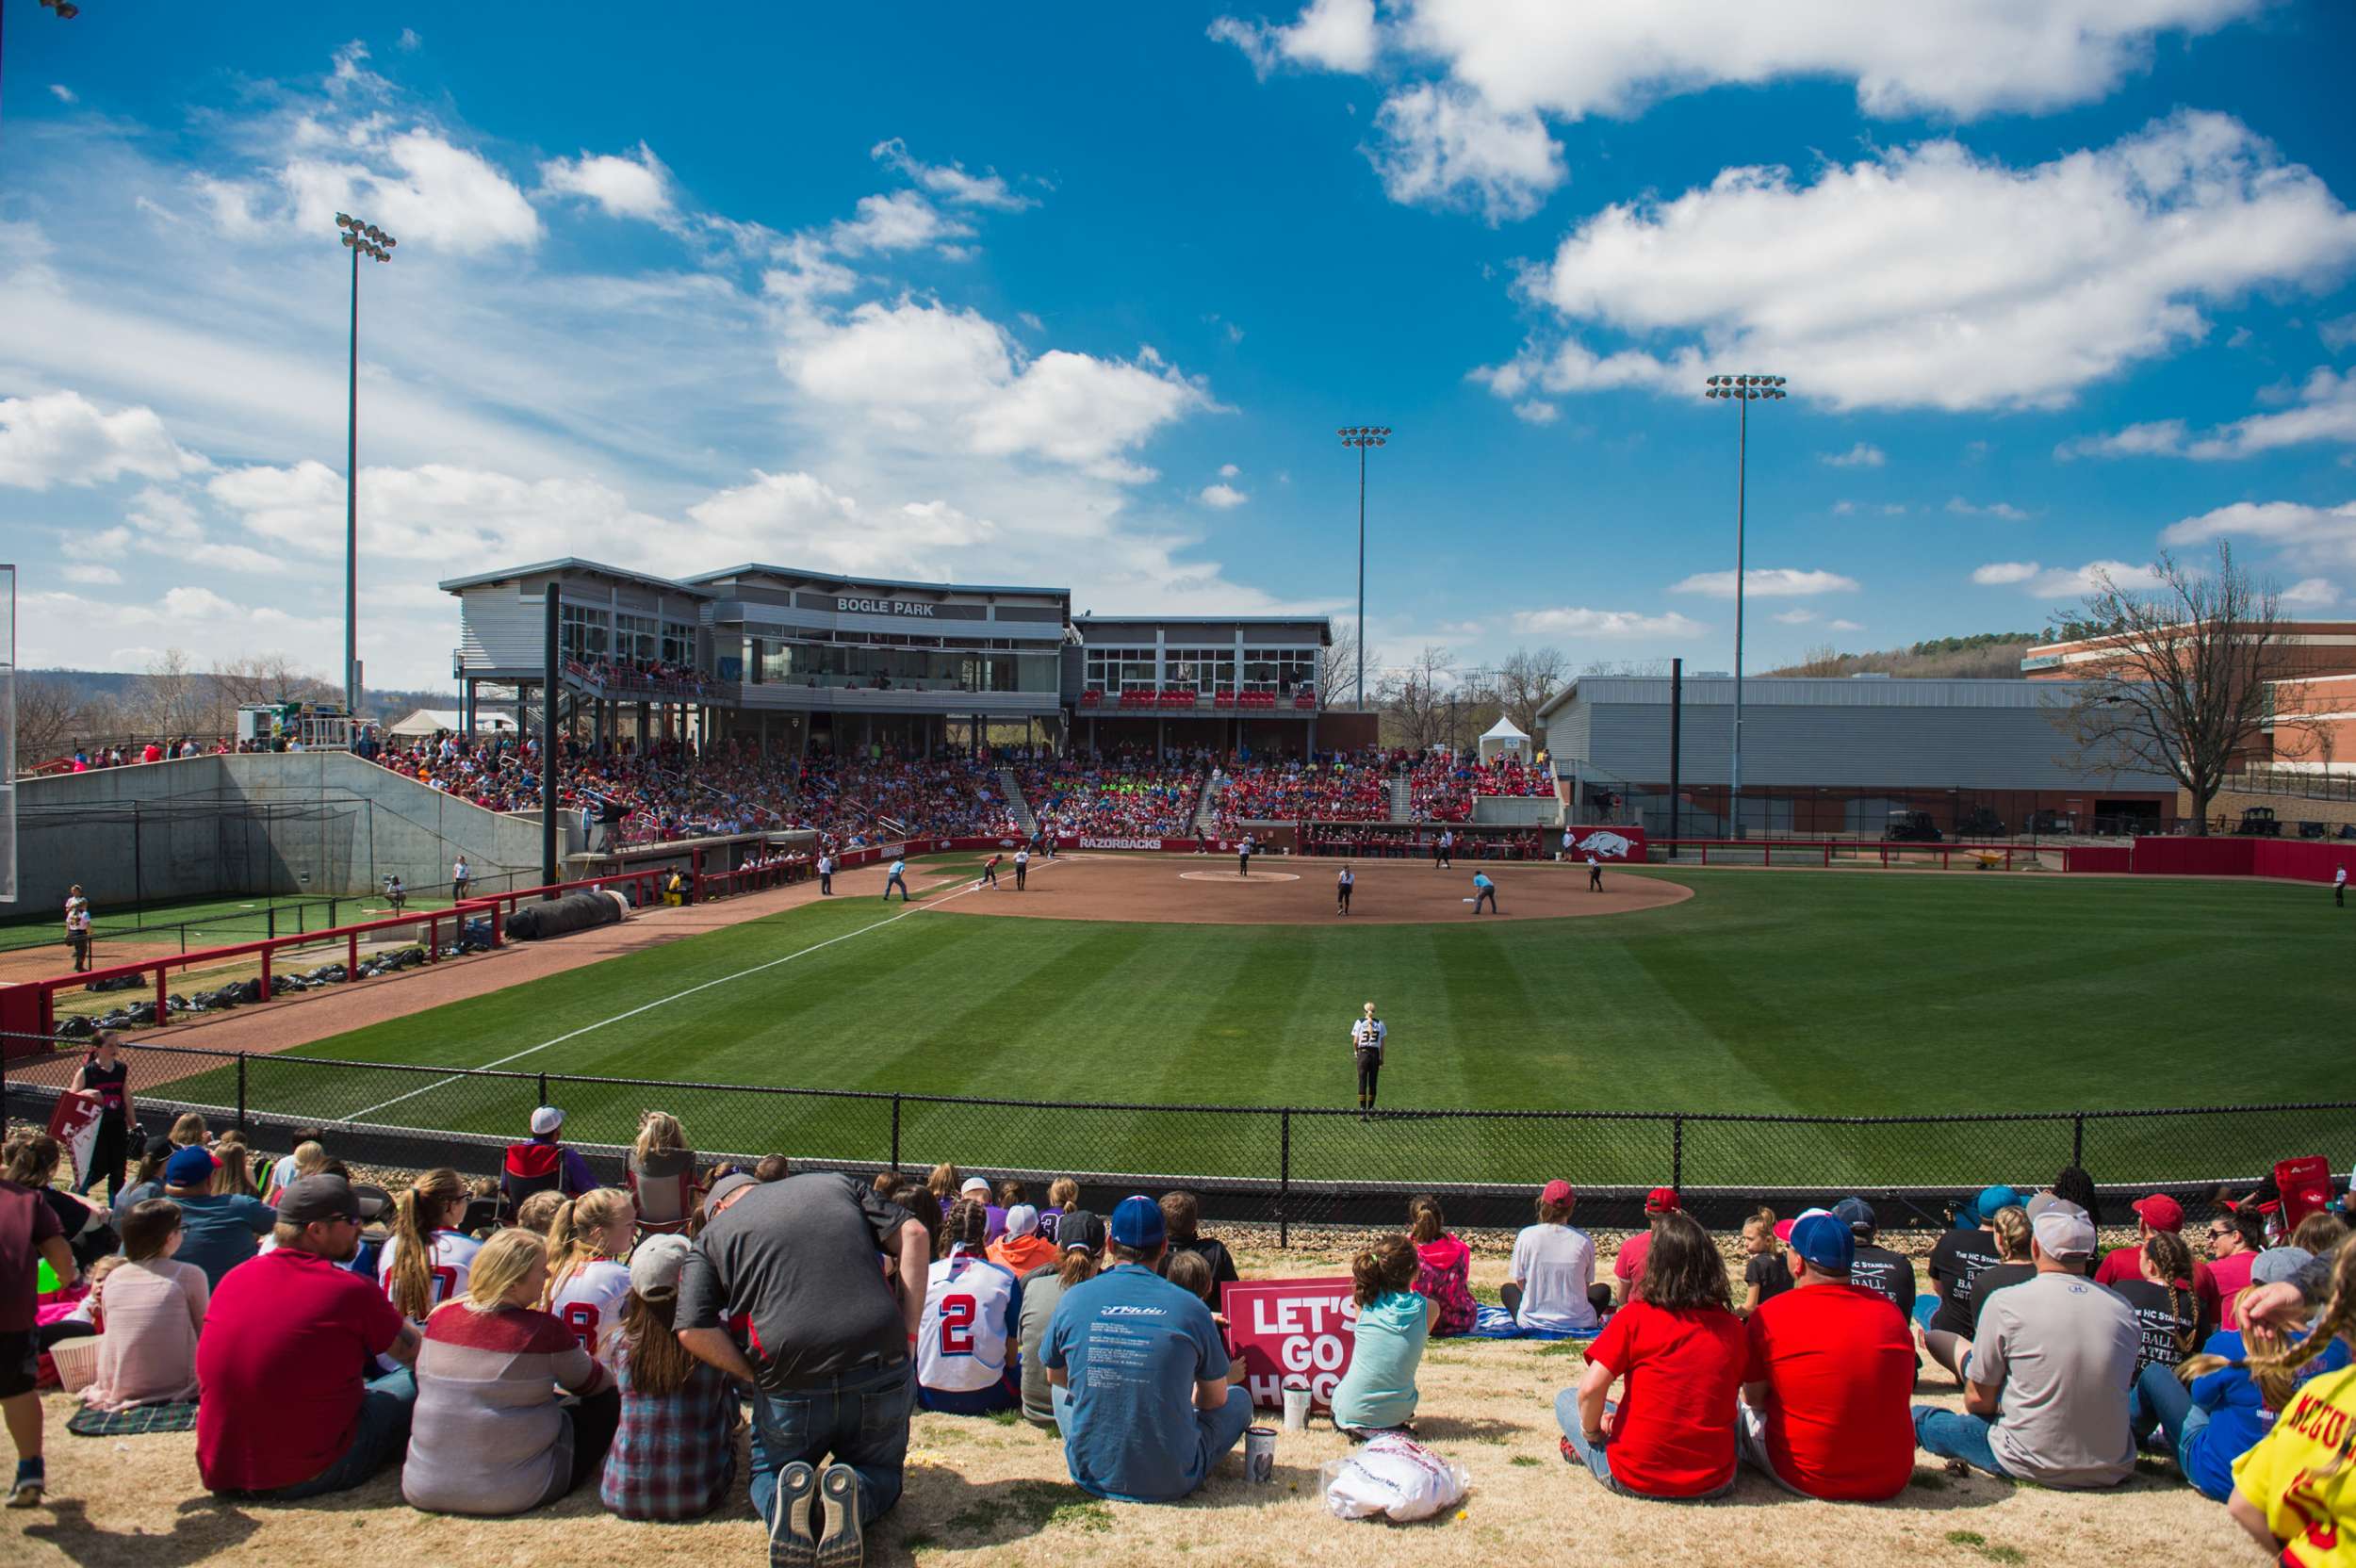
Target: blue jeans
(859,1419)
(382,1438)
(1593,1455)
(1956,1434)
(2160,1398)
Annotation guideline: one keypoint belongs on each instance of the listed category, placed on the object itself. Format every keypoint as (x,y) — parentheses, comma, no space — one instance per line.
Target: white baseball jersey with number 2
(969,1331)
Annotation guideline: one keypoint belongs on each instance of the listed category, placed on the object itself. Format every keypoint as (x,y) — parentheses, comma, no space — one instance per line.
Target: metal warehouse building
(1841,757)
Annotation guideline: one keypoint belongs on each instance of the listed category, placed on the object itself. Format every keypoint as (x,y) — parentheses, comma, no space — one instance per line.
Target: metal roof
(798,574)
(571,564)
(1815,691)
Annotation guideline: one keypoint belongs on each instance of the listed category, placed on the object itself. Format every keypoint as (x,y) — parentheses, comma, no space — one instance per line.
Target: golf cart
(1912,827)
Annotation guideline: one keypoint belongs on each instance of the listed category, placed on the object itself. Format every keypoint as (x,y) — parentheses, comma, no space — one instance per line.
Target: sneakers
(843,1545)
(791,1544)
(27,1490)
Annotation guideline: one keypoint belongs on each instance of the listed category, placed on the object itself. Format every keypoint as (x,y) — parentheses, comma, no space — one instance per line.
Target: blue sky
(1078,295)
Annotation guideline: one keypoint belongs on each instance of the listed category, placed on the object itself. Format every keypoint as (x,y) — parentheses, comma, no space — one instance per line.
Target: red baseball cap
(1558,1191)
(2160,1212)
(1661,1200)
(1783,1230)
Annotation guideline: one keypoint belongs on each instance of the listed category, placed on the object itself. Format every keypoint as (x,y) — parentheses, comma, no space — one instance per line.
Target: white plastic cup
(1296,1406)
(1259,1454)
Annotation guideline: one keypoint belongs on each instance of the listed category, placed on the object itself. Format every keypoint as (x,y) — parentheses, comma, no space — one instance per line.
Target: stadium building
(799,661)
(1839,756)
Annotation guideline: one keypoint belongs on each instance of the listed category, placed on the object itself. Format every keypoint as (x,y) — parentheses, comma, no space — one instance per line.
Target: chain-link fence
(1284,1167)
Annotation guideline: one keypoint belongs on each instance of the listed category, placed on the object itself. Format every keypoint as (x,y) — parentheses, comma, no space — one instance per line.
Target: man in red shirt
(284,1412)
(2160,1212)
(1628,1266)
(29,1232)
(1826,1394)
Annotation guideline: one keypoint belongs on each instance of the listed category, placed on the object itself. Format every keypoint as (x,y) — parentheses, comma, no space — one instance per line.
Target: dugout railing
(1281,1166)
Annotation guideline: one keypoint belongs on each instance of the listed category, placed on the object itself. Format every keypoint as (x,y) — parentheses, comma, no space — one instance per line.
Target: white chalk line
(930,903)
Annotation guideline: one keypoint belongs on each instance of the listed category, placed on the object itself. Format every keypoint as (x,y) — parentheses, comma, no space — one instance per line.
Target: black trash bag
(76,1028)
(248,990)
(120,983)
(140,1012)
(578,911)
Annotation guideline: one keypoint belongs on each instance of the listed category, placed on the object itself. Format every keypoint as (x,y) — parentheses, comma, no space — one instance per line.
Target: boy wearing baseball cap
(219,1231)
(1153,1401)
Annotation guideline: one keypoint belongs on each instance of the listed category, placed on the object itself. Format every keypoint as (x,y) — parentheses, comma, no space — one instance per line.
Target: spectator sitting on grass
(772,1167)
(1444,1266)
(489,1437)
(660,1171)
(2295,1492)
(1887,1274)
(224,1231)
(1552,1287)
(1063,1195)
(538,1212)
(308,1159)
(284,1414)
(2166,1312)
(1957,1260)
(1153,1402)
(944,1182)
(1829,1373)
(233,1175)
(426,1259)
(1077,1257)
(1628,1265)
(2213,1408)
(793,1262)
(674,1454)
(2050,1367)
(1189,1273)
(587,1279)
(2155,1213)
(1681,1349)
(1378,1393)
(2319,1234)
(2009,1225)
(189,1132)
(967,1344)
(1181,1215)
(1022,1249)
(1764,1275)
(976,1189)
(152,1309)
(147,1181)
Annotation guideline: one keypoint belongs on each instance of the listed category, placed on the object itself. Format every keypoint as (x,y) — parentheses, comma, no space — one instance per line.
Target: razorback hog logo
(1609,843)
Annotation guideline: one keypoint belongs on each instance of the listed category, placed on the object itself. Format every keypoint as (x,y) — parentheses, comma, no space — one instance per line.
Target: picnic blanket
(1492,1322)
(132,1422)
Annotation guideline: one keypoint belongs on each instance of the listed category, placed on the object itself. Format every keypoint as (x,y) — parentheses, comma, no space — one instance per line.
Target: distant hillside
(1986,655)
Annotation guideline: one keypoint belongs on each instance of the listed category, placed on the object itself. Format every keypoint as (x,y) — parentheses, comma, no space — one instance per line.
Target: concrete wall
(323,822)
(1517,811)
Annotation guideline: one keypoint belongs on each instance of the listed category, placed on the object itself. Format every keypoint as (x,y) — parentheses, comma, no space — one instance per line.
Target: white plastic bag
(1394,1475)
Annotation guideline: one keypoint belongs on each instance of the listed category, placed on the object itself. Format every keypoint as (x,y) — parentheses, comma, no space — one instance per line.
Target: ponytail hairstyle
(416,1212)
(538,1212)
(189,1130)
(232,1166)
(1387,1266)
(30,1159)
(1076,1266)
(1760,1220)
(967,1224)
(2011,1226)
(1425,1222)
(1012,1192)
(1062,1193)
(2170,1256)
(657,1130)
(944,1181)
(573,1235)
(2275,1369)
(151,1168)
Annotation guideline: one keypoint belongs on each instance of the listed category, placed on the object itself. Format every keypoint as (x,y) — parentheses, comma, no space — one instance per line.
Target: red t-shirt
(1673,1433)
(26,1221)
(2126,1263)
(1839,1365)
(288,1341)
(1628,1265)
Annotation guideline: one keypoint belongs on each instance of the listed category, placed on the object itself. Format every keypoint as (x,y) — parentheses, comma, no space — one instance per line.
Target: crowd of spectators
(642,675)
(1128,793)
(1441,788)
(507,1347)
(1352,787)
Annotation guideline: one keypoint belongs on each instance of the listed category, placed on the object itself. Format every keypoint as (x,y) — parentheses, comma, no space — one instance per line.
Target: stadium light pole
(1363,436)
(361,239)
(1743,391)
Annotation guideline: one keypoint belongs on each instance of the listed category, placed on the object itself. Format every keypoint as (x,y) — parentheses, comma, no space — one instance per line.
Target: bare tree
(1413,699)
(170,698)
(259,678)
(1338,669)
(2179,686)
(1635,668)
(48,717)
(1526,681)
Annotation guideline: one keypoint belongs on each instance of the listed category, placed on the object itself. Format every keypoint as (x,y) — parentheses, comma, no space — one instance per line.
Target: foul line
(930,903)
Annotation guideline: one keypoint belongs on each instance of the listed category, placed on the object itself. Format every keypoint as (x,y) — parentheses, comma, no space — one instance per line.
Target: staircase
(1206,808)
(1013,794)
(1402,806)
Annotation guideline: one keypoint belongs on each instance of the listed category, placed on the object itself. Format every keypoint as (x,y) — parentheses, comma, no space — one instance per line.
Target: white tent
(425,721)
(1504,739)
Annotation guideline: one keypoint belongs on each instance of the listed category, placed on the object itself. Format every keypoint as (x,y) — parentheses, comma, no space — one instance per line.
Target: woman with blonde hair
(2295,1493)
(427,1259)
(587,1279)
(188,1131)
(662,1174)
(944,1182)
(234,1174)
(2009,1225)
(488,1437)
(538,1212)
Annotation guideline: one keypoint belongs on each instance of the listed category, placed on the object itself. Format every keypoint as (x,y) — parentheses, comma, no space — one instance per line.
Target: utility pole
(1744,390)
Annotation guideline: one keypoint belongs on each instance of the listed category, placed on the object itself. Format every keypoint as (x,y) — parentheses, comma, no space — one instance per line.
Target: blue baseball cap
(1138,1223)
(1823,1241)
(188,1167)
(1992,1198)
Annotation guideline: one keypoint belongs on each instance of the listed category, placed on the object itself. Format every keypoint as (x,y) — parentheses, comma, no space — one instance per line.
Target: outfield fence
(1284,1167)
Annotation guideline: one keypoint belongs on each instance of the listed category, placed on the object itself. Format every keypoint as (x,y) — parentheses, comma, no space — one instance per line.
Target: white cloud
(63,438)
(1785,583)
(2006,510)
(2311,536)
(1223,497)
(630,186)
(1895,509)
(422,189)
(2063,582)
(90,573)
(1844,626)
(105,545)
(2310,593)
(1328,34)
(900,221)
(949,181)
(1862,455)
(1795,617)
(2154,438)
(1440,146)
(2339,333)
(1842,508)
(2326,411)
(1929,276)
(410,42)
(1537,411)
(1227,470)
(63,93)
(2001,573)
(1602,623)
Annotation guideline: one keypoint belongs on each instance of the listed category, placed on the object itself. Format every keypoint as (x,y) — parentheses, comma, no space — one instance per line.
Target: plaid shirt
(674,1456)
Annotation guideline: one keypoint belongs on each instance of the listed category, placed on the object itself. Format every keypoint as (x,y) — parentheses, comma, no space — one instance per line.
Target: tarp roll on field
(573,912)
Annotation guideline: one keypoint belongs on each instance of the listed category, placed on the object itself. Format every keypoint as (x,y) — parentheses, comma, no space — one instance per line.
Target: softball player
(990,872)
(1366,1038)
(1021,867)
(1440,847)
(1594,873)
(1342,885)
(1243,855)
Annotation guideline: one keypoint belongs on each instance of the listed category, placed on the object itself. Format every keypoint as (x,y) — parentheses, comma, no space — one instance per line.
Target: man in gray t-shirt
(2045,1398)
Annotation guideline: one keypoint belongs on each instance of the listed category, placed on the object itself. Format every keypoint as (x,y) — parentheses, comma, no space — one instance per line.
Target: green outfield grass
(1807,993)
(209,921)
